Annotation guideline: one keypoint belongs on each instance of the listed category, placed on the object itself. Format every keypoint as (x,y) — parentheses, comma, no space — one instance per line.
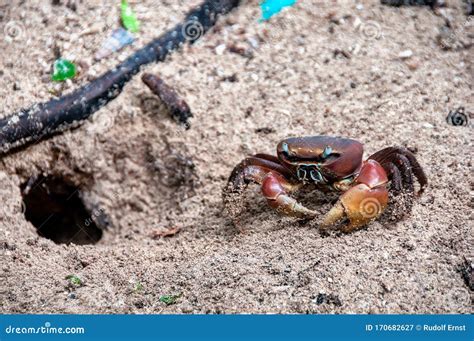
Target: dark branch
(46,119)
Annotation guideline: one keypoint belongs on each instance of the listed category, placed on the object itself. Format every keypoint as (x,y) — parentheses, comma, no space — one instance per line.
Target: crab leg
(275,184)
(363,202)
(406,162)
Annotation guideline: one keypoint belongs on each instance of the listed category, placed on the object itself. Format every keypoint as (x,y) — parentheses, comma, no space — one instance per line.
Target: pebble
(355,49)
(122,57)
(412,65)
(300,41)
(457,81)
(357,22)
(220,72)
(428,125)
(405,54)
(187,308)
(220,49)
(95,28)
(253,42)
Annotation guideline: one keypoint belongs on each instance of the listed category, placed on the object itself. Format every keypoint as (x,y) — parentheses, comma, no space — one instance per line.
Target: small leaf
(169,299)
(63,69)
(138,287)
(74,280)
(129,20)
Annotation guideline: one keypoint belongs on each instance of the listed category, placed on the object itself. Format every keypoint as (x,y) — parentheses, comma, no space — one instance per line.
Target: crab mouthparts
(309,173)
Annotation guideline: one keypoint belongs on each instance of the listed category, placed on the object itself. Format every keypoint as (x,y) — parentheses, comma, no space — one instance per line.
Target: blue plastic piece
(272,7)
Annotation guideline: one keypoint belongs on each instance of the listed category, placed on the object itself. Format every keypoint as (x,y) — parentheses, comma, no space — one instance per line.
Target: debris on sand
(169,299)
(74,280)
(265,130)
(115,42)
(467,272)
(405,54)
(165,232)
(138,286)
(323,298)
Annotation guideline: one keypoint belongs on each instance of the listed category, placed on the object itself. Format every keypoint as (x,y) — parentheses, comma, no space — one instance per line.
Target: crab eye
(326,152)
(284,148)
(316,175)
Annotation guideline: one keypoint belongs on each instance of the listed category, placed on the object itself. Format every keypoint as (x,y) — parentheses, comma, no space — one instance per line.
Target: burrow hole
(54,206)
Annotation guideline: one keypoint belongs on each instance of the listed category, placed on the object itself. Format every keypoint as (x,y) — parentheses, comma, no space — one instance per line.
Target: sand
(319,68)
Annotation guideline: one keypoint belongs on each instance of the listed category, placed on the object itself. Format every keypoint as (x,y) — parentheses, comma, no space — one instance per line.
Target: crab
(329,164)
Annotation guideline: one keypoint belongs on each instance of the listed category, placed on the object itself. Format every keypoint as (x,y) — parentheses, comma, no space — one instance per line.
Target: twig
(168,232)
(398,3)
(46,119)
(176,105)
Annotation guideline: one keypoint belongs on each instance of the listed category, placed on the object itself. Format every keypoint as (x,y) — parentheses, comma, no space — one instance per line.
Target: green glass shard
(129,20)
(63,69)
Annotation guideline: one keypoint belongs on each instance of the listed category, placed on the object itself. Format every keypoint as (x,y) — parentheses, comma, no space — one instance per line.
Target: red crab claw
(273,188)
(276,186)
(363,202)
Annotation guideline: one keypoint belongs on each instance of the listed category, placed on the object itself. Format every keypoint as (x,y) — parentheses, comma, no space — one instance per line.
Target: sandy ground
(128,162)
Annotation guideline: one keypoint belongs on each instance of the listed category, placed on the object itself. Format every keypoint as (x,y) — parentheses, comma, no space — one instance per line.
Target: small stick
(170,231)
(47,119)
(176,105)
(398,3)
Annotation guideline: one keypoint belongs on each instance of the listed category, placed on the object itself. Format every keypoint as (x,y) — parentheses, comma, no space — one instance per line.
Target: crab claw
(273,188)
(359,205)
